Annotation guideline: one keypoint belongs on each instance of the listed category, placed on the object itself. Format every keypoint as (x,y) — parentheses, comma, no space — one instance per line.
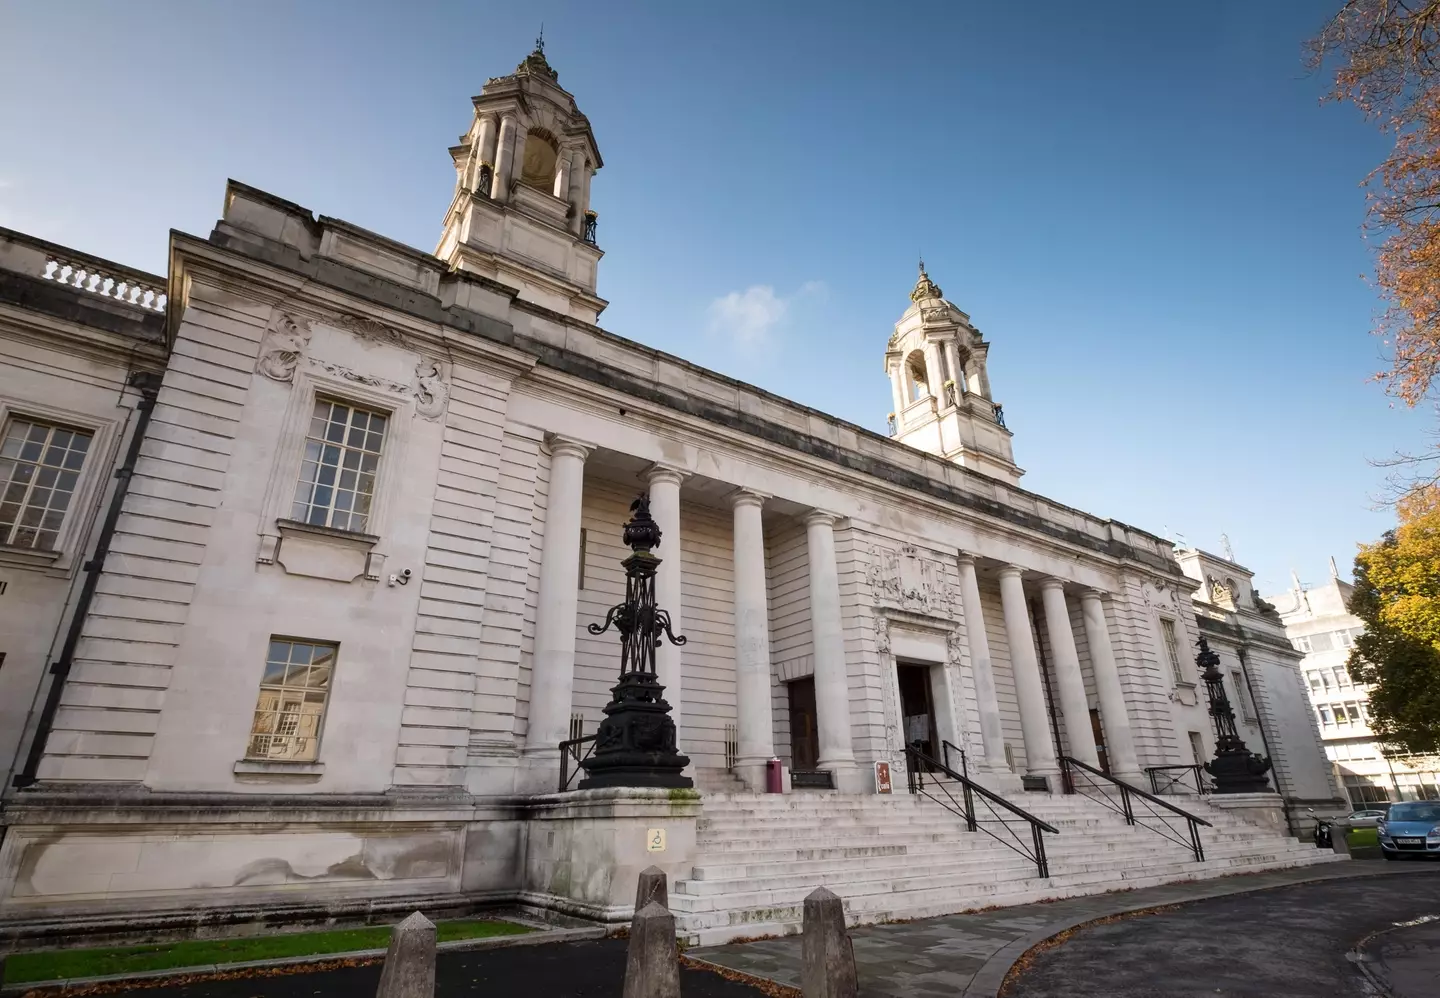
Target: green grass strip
(54,965)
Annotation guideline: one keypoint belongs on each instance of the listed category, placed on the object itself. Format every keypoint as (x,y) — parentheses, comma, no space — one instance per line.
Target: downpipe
(149,386)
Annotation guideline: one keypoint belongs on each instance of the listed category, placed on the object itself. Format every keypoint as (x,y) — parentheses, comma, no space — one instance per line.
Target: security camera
(401,579)
(405,576)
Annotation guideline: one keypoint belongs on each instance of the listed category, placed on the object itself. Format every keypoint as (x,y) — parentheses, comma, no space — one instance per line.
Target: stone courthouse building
(299,544)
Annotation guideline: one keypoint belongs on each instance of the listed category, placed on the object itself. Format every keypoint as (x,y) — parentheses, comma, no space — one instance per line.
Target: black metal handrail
(1162,782)
(1036,851)
(945,748)
(570,749)
(1128,795)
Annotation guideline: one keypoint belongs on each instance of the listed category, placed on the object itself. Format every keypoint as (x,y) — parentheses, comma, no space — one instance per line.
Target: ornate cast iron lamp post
(635,746)
(1235,769)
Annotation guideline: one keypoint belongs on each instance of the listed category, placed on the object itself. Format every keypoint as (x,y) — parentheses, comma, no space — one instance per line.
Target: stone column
(1029,687)
(991,734)
(755,732)
(575,194)
(505,158)
(956,370)
(664,486)
(552,673)
(934,373)
(1119,740)
(1073,705)
(827,638)
(897,388)
(562,174)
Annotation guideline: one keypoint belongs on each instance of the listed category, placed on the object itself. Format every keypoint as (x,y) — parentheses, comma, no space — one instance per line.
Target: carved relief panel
(910,579)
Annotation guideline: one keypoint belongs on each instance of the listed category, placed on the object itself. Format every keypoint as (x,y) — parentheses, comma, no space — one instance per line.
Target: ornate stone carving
(925,289)
(1222,594)
(432,393)
(371,330)
(370,380)
(908,580)
(282,346)
(889,691)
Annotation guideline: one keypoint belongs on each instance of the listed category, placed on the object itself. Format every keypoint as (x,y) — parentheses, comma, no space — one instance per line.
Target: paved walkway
(969,955)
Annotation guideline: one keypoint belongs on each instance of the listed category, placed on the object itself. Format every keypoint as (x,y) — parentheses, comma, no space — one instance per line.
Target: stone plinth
(1265,811)
(588,848)
(829,959)
(652,965)
(410,961)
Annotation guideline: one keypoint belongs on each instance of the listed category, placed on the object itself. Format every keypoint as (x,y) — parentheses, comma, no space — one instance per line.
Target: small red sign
(882,777)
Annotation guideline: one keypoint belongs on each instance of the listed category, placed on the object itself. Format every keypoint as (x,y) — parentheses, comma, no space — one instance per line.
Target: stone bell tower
(936,363)
(521,211)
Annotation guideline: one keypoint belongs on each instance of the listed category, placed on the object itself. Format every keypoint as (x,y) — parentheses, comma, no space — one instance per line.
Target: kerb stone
(410,961)
(652,967)
(829,960)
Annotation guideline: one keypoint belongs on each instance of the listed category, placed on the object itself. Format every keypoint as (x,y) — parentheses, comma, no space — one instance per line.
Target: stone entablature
(439,303)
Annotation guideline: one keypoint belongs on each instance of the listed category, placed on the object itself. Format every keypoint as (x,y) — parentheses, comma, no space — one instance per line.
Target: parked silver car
(1411,828)
(1368,818)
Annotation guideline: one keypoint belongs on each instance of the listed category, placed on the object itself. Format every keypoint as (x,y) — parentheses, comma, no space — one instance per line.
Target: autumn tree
(1397,595)
(1385,55)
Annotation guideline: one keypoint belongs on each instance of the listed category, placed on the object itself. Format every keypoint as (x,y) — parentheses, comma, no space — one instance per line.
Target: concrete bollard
(652,966)
(410,961)
(652,886)
(1340,837)
(829,960)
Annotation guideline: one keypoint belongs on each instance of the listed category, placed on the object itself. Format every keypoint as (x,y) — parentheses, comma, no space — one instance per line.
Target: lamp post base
(635,746)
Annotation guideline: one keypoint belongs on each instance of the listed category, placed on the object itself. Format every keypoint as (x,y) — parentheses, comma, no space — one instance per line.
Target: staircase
(902,856)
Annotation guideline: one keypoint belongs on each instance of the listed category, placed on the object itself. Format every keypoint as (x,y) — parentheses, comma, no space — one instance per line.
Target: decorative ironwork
(635,746)
(591,221)
(1177,779)
(1235,769)
(1085,780)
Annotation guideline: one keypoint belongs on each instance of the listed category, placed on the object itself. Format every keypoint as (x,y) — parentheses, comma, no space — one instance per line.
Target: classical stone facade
(340,630)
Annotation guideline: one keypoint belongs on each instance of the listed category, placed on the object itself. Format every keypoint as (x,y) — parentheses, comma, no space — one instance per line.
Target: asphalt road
(1288,942)
(558,970)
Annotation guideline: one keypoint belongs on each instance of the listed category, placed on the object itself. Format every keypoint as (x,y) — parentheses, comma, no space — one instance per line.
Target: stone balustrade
(105,280)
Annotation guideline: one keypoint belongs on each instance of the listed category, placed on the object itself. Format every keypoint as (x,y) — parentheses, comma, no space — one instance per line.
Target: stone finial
(410,961)
(829,960)
(652,966)
(924,287)
(652,886)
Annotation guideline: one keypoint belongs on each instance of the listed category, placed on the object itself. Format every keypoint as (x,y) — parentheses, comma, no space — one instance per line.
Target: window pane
(346,442)
(37,479)
(291,705)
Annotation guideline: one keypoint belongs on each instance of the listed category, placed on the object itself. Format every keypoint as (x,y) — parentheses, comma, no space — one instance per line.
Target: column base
(1005,783)
(752,774)
(539,772)
(847,776)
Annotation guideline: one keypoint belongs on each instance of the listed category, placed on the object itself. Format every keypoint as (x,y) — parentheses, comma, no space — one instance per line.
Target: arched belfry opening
(919,381)
(542,154)
(936,362)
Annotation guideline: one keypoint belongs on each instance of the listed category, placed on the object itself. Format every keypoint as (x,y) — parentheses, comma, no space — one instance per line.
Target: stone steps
(758,856)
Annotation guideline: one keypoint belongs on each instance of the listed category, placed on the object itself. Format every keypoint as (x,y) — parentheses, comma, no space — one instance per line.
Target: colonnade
(500,143)
(552,680)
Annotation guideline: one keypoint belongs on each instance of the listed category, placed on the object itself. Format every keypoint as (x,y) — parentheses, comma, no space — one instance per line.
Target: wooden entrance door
(1099,731)
(804,735)
(917,710)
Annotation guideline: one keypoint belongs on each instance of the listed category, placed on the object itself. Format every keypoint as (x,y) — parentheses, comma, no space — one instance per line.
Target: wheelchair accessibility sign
(655,840)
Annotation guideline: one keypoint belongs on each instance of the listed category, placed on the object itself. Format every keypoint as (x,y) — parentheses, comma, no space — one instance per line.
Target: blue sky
(1143,206)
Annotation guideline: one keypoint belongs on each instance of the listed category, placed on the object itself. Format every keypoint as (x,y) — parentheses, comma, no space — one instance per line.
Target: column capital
(965,558)
(663,474)
(562,446)
(1049,582)
(1088,594)
(821,517)
(1010,570)
(747,497)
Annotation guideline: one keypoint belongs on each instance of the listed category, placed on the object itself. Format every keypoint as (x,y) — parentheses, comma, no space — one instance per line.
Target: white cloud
(750,318)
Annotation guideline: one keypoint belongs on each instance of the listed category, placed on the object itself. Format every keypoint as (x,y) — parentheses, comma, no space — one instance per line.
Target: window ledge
(349,537)
(27,557)
(280,768)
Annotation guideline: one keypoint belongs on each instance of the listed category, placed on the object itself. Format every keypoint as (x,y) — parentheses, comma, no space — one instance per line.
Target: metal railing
(921,765)
(570,751)
(1177,780)
(1101,787)
(946,747)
